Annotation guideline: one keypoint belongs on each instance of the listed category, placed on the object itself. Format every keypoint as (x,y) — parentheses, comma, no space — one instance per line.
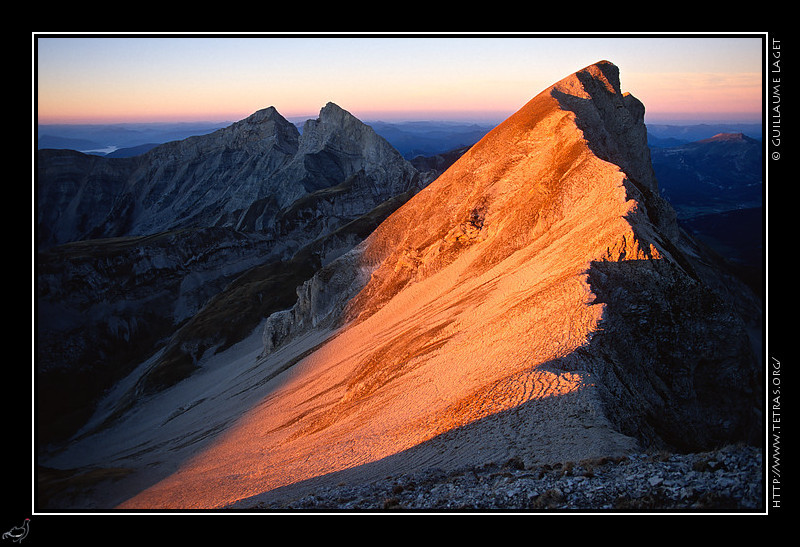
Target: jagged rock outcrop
(248,176)
(537,301)
(200,181)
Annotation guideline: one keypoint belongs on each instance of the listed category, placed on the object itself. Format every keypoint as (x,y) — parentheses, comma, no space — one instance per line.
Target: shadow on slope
(670,368)
(552,429)
(675,360)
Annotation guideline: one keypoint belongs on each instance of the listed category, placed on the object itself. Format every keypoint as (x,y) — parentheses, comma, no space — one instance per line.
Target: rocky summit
(152,253)
(246,176)
(537,303)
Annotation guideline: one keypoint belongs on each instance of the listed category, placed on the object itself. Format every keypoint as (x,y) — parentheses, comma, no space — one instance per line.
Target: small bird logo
(18,533)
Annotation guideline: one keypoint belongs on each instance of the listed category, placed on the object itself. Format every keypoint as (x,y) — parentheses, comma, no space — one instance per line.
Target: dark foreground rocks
(721,481)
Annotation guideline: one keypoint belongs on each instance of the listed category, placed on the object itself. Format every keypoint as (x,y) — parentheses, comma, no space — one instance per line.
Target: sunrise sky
(187,77)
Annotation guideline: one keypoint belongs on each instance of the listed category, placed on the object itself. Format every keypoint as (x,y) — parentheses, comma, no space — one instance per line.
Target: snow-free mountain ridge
(151,252)
(536,301)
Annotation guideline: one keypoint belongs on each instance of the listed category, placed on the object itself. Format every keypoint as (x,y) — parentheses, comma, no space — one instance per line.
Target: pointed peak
(265,114)
(332,118)
(333,112)
(259,118)
(265,123)
(332,107)
(270,111)
(612,122)
(607,68)
(600,76)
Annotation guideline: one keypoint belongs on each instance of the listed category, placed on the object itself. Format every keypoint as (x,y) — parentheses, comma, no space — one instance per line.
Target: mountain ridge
(722,137)
(152,246)
(536,301)
(263,146)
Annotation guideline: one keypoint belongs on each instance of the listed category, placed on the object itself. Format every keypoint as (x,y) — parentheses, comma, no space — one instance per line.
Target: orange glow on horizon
(86,79)
(693,95)
(45,117)
(699,96)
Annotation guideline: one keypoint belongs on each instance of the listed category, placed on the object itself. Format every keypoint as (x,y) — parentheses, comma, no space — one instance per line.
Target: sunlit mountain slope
(536,301)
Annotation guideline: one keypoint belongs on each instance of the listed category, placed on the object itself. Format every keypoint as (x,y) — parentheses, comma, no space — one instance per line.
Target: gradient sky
(124,78)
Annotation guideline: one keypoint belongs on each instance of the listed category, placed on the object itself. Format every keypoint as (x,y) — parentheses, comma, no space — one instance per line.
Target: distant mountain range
(716,187)
(102,139)
(410,138)
(720,173)
(661,135)
(699,172)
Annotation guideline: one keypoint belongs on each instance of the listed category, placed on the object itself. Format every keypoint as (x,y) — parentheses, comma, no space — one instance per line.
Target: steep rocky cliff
(152,252)
(248,176)
(537,302)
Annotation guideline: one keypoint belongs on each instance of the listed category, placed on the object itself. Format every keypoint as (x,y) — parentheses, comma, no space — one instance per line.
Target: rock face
(537,301)
(153,251)
(248,176)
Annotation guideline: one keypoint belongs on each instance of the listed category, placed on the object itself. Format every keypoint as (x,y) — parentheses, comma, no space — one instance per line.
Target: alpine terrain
(161,250)
(537,302)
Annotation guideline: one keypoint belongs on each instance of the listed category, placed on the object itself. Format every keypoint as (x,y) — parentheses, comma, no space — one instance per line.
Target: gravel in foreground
(722,481)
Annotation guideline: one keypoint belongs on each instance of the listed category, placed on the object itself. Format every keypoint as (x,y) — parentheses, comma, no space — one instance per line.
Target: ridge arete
(536,301)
